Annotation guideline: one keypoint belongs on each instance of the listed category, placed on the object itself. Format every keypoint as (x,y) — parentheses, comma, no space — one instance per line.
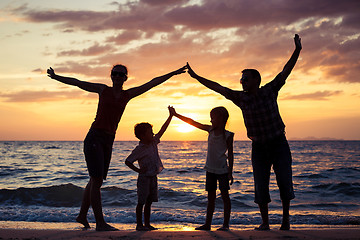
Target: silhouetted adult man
(266,130)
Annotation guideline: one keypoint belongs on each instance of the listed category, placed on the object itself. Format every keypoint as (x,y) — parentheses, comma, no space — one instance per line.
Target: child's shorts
(211,181)
(147,189)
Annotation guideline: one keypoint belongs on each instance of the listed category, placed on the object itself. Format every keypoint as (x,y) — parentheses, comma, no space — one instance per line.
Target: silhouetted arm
(293,59)
(87,86)
(208,83)
(166,124)
(132,166)
(190,121)
(136,91)
(230,143)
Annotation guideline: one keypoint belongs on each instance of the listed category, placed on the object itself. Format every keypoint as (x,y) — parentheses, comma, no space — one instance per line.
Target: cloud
(89,68)
(38,70)
(163,2)
(231,35)
(44,96)
(125,37)
(225,14)
(319,95)
(163,15)
(94,50)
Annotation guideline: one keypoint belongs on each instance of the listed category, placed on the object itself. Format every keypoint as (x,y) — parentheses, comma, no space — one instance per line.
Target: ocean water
(43,182)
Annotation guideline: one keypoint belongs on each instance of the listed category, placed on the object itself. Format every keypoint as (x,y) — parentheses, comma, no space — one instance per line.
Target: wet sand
(318,233)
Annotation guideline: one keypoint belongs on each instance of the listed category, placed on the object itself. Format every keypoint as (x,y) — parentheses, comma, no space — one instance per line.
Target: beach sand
(206,235)
(38,230)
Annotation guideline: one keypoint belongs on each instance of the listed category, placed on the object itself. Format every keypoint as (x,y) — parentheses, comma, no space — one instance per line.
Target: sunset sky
(84,39)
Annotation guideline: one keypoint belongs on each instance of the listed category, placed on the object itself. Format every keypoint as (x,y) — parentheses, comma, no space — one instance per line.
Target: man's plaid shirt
(261,113)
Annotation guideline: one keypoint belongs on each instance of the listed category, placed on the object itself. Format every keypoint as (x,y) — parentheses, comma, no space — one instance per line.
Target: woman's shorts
(97,149)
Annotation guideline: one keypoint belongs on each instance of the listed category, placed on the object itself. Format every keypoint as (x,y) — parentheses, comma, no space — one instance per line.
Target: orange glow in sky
(184,128)
(320,100)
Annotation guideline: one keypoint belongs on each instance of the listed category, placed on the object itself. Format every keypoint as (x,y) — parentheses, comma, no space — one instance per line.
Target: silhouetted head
(250,80)
(119,73)
(219,117)
(143,131)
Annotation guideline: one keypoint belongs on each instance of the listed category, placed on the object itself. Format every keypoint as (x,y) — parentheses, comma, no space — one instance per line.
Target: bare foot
(204,227)
(285,226)
(224,228)
(150,227)
(263,227)
(83,222)
(105,227)
(142,228)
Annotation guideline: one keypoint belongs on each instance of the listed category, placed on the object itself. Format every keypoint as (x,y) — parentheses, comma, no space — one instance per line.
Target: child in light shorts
(219,165)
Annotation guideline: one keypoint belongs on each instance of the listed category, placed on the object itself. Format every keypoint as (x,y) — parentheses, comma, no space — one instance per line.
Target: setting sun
(184,128)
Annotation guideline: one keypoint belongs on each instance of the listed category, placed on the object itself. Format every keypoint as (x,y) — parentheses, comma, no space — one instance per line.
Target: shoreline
(311,234)
(46,230)
(161,226)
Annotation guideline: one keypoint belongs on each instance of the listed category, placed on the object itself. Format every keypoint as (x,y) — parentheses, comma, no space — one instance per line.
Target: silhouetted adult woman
(99,140)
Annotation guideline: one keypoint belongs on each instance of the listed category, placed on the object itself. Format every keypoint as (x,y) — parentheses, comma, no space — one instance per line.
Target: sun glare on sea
(184,128)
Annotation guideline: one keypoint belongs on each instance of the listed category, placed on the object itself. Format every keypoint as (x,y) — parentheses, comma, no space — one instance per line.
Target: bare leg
(147,212)
(139,209)
(95,197)
(85,205)
(209,211)
(139,223)
(227,209)
(264,211)
(286,216)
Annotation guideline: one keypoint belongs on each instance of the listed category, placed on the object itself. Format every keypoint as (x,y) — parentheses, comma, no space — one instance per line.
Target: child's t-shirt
(216,160)
(148,157)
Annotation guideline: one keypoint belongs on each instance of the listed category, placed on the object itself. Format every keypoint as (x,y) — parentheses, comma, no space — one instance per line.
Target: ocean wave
(170,215)
(336,206)
(51,147)
(66,195)
(349,189)
(12,171)
(326,183)
(312,176)
(344,170)
(70,195)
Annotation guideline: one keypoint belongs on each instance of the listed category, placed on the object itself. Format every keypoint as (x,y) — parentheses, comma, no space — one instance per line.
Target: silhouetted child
(220,141)
(150,165)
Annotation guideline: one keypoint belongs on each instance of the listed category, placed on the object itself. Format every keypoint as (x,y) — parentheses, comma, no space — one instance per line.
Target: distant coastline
(238,140)
(311,138)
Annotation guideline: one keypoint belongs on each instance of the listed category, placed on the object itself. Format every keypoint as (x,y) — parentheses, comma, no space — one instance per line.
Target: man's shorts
(97,149)
(147,189)
(211,181)
(275,153)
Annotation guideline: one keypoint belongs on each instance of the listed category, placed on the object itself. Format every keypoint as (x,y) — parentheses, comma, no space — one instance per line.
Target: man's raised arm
(207,83)
(293,59)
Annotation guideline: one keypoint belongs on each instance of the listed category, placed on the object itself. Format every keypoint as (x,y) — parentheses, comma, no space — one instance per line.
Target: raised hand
(297,41)
(172,111)
(180,70)
(190,71)
(51,72)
